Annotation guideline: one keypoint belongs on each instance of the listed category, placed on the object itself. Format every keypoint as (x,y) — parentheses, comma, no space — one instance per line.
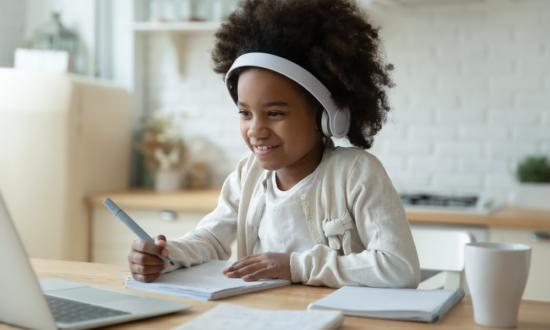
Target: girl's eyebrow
(266,104)
(274,104)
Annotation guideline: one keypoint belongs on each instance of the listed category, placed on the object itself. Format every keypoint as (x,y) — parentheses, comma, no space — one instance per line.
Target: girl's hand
(145,264)
(258,266)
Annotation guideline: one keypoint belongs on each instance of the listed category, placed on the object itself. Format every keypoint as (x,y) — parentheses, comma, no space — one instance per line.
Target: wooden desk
(533,315)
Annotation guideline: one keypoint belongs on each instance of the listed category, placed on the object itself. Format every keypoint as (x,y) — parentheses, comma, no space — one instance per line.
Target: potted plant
(164,151)
(533,173)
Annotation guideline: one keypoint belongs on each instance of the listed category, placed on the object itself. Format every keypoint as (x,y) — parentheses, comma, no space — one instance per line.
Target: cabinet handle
(540,236)
(168,216)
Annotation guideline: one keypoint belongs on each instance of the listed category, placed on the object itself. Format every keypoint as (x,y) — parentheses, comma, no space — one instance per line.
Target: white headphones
(331,120)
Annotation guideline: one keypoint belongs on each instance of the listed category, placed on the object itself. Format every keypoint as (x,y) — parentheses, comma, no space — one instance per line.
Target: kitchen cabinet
(538,283)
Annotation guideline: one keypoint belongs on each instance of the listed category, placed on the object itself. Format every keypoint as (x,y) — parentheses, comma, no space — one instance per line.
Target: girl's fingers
(143,246)
(160,238)
(246,270)
(146,270)
(145,278)
(262,273)
(245,259)
(244,262)
(144,259)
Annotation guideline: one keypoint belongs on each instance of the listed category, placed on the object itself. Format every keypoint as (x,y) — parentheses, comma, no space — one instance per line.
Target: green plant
(534,169)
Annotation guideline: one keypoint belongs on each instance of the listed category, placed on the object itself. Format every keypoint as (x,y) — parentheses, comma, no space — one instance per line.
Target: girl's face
(277,123)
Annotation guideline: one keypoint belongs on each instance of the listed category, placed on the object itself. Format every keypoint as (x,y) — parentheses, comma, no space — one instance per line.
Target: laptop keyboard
(70,311)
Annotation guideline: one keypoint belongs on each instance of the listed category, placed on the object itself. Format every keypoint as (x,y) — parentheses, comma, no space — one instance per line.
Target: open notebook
(203,282)
(397,304)
(228,316)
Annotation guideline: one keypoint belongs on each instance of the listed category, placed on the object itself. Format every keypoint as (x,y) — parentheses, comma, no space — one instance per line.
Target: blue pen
(131,224)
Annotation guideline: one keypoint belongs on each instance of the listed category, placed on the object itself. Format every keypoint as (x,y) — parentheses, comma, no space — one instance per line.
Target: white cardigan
(354,216)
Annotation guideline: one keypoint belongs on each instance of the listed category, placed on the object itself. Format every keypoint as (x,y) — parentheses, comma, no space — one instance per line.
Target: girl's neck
(287,177)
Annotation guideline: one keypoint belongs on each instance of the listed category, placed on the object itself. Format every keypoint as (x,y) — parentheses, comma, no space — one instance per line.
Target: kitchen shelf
(175,27)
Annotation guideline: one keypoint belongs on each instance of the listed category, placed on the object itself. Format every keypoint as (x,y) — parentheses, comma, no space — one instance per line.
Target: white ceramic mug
(496,274)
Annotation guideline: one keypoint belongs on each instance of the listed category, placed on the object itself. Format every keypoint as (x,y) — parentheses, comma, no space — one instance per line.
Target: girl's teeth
(264,147)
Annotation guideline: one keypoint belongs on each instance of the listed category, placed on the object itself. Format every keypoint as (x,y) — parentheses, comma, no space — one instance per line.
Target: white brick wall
(472,95)
(12,13)
(476,97)
(197,91)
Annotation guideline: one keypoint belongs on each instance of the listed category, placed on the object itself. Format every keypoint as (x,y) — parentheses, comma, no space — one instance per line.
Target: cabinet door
(538,283)
(111,239)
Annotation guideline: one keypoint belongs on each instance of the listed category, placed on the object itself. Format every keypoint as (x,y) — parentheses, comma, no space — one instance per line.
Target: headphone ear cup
(322,119)
(318,119)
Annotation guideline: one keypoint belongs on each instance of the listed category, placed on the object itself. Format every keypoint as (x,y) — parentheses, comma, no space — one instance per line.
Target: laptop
(58,304)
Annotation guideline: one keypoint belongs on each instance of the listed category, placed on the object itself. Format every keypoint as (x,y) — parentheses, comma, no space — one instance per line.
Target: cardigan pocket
(335,227)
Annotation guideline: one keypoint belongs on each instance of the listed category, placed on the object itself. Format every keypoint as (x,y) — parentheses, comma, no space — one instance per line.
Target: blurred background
(117,98)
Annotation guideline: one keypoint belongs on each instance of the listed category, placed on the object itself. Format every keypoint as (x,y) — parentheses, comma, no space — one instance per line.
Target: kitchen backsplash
(472,95)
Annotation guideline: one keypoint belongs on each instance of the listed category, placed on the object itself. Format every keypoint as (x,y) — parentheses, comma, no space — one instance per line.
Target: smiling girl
(301,71)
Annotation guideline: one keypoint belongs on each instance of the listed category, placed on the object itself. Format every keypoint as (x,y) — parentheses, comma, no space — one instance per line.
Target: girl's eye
(244,113)
(275,114)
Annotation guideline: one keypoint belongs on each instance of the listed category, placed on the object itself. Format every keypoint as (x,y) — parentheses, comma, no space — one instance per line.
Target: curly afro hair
(332,39)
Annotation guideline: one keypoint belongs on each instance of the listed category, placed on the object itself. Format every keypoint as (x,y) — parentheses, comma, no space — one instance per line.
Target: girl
(300,208)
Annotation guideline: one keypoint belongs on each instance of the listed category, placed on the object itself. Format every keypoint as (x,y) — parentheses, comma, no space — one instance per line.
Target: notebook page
(381,300)
(207,278)
(228,316)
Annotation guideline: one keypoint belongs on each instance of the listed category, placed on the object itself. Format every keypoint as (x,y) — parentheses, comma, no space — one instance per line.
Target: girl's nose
(258,129)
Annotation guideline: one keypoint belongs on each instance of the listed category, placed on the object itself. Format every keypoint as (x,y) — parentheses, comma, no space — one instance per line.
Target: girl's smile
(264,150)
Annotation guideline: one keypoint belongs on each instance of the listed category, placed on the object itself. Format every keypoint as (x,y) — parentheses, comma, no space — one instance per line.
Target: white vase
(168,180)
(532,195)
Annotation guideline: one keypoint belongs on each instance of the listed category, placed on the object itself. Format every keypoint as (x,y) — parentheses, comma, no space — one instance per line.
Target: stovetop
(439,200)
(448,202)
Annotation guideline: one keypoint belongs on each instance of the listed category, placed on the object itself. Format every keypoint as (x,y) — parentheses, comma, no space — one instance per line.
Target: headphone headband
(339,120)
